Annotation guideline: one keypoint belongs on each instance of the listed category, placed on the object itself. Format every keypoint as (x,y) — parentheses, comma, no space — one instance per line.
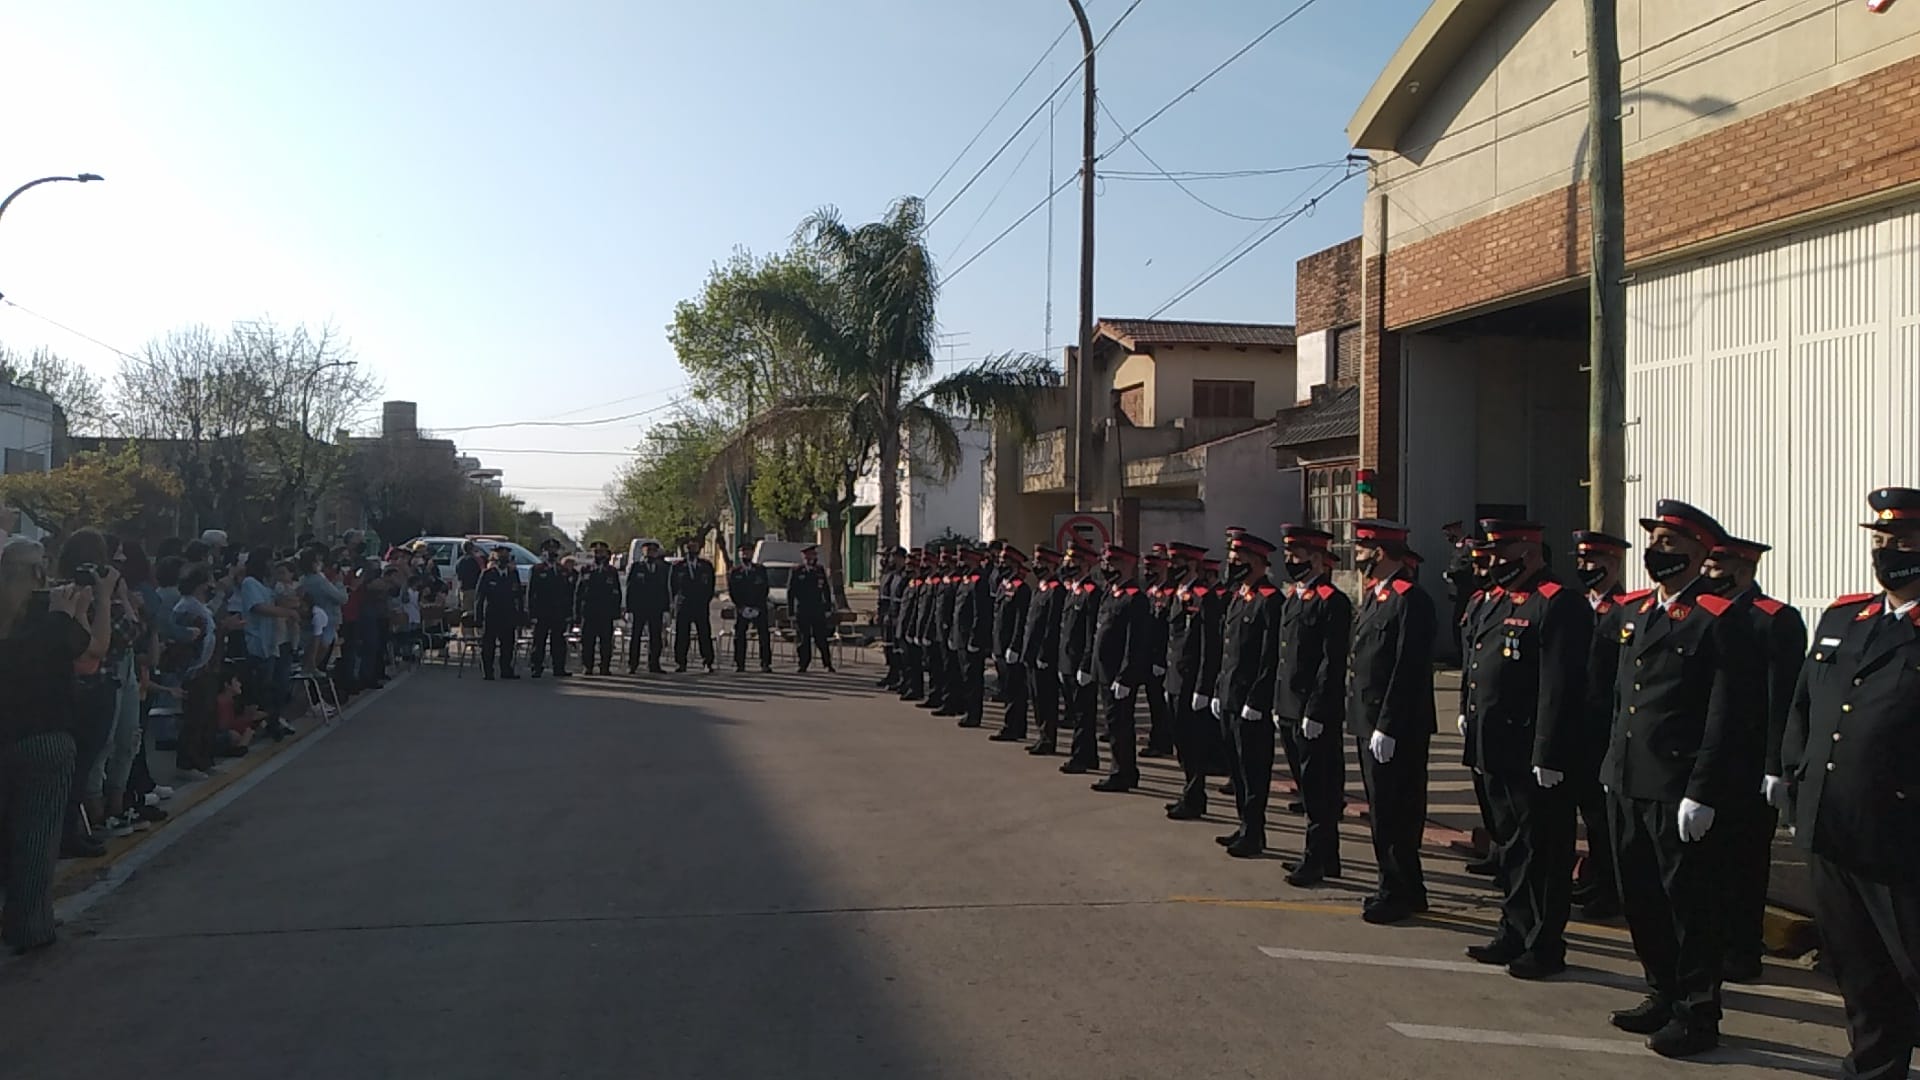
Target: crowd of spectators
(112,659)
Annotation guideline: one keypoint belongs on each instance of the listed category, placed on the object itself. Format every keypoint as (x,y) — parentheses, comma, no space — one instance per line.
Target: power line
(1021,85)
(1208,77)
(1004,185)
(561,423)
(1196,175)
(1249,249)
(63,326)
(1189,192)
(1032,116)
(1004,233)
(544,453)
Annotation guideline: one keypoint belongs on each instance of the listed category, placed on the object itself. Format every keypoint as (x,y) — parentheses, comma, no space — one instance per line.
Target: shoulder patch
(1549,589)
(1325,592)
(1853,598)
(1200,590)
(1267,588)
(1712,605)
(1628,598)
(1769,605)
(1401,585)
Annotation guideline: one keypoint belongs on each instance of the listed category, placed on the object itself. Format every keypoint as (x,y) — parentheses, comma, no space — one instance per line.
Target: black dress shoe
(1745,969)
(1498,952)
(535,674)
(1529,967)
(1652,1014)
(1076,768)
(1229,839)
(1603,906)
(1116,784)
(1246,848)
(1680,1039)
(1388,912)
(563,674)
(1296,807)
(82,847)
(1483,867)
(679,669)
(766,669)
(929,703)
(740,667)
(1309,873)
(968,722)
(632,669)
(1007,735)
(1155,752)
(486,676)
(1183,812)
(1043,750)
(1226,788)
(509,675)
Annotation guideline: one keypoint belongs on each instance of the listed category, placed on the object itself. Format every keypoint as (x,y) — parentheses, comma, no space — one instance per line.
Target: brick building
(1316,442)
(1773,245)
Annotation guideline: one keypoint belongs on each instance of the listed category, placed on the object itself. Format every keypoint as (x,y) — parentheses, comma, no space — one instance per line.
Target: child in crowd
(234,723)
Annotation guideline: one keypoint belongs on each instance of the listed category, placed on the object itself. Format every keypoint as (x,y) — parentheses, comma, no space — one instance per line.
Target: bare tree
(191,396)
(82,397)
(313,388)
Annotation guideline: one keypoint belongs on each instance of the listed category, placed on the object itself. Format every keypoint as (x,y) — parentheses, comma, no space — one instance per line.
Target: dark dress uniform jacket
(748,587)
(1603,673)
(500,599)
(972,629)
(1124,636)
(907,620)
(1524,690)
(1079,609)
(1040,641)
(1246,661)
(1310,659)
(549,593)
(808,593)
(1010,606)
(596,596)
(1390,687)
(1853,741)
(892,591)
(1782,636)
(1194,621)
(1684,702)
(691,583)
(648,590)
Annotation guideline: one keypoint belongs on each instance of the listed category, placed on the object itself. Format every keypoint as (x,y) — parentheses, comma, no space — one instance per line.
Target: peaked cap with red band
(1591,542)
(1306,536)
(1689,519)
(1734,547)
(1378,529)
(1505,530)
(1893,507)
(1253,545)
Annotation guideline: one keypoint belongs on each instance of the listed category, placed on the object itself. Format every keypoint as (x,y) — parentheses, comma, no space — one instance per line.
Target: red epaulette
(1401,585)
(1769,605)
(1549,589)
(1603,607)
(1628,598)
(1325,592)
(1267,588)
(1199,590)
(1854,598)
(1712,605)
(1126,590)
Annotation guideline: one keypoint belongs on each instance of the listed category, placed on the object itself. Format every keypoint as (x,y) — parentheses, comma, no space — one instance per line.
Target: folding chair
(321,692)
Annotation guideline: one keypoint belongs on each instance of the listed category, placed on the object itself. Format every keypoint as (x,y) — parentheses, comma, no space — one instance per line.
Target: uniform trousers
(692,619)
(35,774)
(761,626)
(1319,767)
(1044,691)
(1534,861)
(1597,871)
(596,636)
(1122,733)
(1397,807)
(971,705)
(814,632)
(497,639)
(1672,894)
(1253,775)
(549,643)
(1082,714)
(1013,678)
(1159,717)
(913,675)
(1870,934)
(1196,739)
(1749,823)
(651,625)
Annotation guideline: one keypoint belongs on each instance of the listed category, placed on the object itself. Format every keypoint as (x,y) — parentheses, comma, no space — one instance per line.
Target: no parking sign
(1095,530)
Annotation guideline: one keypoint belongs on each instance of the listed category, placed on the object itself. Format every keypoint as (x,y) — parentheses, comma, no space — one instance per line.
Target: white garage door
(1774,386)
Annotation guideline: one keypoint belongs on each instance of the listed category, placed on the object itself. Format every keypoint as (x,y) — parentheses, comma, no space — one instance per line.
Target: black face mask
(1366,565)
(553,556)
(1723,586)
(1504,574)
(1298,571)
(1590,579)
(1111,573)
(1663,565)
(1894,568)
(1237,572)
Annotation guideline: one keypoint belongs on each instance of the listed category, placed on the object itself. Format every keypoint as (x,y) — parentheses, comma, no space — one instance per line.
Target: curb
(1788,933)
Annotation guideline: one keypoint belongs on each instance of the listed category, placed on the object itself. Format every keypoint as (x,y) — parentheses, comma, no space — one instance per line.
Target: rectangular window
(1346,355)
(1222,399)
(1331,504)
(1131,402)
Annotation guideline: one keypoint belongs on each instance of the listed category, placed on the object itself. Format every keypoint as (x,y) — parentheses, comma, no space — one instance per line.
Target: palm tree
(873,329)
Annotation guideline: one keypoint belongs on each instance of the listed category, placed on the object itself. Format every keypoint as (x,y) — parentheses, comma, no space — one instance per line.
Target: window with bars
(1331,504)
(1346,355)
(1222,398)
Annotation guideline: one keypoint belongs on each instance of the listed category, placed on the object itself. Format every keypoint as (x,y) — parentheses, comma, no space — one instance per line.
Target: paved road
(779,876)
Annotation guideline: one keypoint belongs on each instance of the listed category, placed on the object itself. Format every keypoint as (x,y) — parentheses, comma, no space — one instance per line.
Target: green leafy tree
(666,492)
(81,396)
(113,491)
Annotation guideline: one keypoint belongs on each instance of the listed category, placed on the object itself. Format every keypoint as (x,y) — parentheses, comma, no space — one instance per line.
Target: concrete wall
(931,506)
(1241,487)
(1509,122)
(1168,373)
(1313,365)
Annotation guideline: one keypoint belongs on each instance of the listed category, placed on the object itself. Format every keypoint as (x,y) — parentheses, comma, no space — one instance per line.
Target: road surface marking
(1466,967)
(1486,1037)
(1271,905)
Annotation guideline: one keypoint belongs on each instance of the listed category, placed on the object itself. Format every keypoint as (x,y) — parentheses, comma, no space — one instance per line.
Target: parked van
(779,557)
(634,546)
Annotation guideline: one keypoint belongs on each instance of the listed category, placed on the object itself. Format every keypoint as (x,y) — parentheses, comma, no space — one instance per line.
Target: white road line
(1466,967)
(1486,1037)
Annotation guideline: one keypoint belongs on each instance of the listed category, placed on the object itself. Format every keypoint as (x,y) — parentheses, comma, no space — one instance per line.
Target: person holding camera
(44,633)
(83,562)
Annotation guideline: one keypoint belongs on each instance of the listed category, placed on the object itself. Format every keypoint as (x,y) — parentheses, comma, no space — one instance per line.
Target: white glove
(1042,664)
(1695,819)
(973,649)
(1251,715)
(1547,778)
(1219,711)
(1774,790)
(1084,678)
(1381,746)
(1460,724)
(1120,691)
(1012,657)
(1159,671)
(1311,729)
(1201,703)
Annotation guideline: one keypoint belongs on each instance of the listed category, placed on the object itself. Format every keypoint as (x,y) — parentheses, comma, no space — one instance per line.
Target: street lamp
(81,179)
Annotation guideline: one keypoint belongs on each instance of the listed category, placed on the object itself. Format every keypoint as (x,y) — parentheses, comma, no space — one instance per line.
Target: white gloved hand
(1311,729)
(1012,657)
(1547,778)
(1219,711)
(1158,671)
(1201,703)
(1381,747)
(1084,678)
(1695,819)
(1120,691)
(1041,664)
(973,650)
(1460,724)
(1774,790)
(1251,715)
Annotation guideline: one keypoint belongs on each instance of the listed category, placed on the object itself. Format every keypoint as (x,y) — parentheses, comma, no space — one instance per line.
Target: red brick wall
(1850,141)
(1327,288)
(1379,396)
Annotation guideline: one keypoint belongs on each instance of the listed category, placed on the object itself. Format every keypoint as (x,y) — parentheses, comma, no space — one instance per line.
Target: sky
(500,204)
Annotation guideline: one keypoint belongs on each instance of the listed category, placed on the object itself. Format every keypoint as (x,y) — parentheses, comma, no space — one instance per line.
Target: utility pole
(1607,289)
(1081,376)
